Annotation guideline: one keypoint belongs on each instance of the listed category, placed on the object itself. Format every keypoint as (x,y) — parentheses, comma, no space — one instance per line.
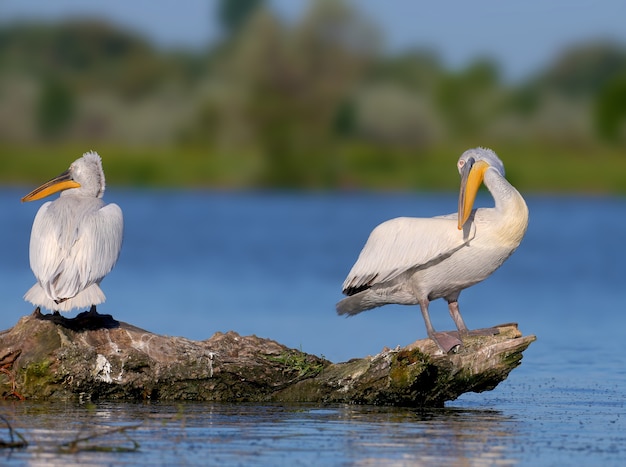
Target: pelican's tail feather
(379,295)
(362,301)
(92,295)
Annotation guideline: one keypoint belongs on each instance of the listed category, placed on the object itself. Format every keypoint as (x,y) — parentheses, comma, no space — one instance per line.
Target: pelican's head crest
(482,154)
(88,172)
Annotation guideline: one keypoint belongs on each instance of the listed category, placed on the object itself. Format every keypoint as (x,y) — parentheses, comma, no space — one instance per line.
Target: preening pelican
(412,261)
(75,240)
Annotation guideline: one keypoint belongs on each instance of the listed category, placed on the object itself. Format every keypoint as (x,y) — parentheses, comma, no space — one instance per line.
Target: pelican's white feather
(405,243)
(416,260)
(75,241)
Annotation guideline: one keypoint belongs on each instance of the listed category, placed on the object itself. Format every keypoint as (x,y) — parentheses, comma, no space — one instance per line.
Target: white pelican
(75,240)
(412,261)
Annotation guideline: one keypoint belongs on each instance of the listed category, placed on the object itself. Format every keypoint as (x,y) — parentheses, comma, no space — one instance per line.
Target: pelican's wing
(405,243)
(99,243)
(66,261)
(45,251)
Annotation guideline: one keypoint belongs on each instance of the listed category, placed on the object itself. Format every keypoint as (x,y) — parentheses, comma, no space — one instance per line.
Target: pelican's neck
(510,207)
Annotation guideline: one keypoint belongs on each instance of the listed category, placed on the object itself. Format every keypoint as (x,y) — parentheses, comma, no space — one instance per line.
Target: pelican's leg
(429,326)
(444,341)
(453,306)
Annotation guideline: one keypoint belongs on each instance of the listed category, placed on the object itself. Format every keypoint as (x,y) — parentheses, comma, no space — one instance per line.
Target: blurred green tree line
(315,103)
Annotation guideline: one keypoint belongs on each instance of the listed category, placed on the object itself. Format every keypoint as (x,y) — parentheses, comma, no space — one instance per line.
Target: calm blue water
(272,264)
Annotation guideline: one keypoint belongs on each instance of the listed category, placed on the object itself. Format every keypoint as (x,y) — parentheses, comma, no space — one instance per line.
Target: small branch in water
(22,443)
(74,446)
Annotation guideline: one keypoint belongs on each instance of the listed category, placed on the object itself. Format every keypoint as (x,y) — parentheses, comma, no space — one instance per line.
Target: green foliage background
(315,104)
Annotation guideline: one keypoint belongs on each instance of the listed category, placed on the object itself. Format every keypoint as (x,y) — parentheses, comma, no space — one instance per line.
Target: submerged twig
(22,443)
(74,445)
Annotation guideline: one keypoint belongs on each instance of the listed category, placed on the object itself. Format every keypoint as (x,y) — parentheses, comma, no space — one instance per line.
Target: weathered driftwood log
(96,357)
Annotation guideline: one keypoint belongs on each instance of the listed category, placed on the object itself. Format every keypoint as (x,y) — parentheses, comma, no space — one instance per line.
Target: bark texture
(96,357)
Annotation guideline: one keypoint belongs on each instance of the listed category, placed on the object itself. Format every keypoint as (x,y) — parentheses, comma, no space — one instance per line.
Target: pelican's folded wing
(404,243)
(68,260)
(98,244)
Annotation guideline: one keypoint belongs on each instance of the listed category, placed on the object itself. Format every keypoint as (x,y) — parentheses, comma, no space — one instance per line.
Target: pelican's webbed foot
(447,341)
(87,320)
(452,341)
(55,317)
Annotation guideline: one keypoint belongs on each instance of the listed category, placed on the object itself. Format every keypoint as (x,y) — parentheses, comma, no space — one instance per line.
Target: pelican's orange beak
(60,183)
(472,175)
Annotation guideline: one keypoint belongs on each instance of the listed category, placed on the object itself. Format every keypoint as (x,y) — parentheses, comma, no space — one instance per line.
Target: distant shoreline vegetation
(544,169)
(312,104)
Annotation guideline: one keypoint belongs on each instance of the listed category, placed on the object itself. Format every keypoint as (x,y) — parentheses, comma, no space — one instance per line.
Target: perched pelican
(75,240)
(412,261)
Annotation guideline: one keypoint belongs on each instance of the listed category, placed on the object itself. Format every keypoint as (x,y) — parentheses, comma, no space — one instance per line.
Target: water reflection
(433,437)
(259,434)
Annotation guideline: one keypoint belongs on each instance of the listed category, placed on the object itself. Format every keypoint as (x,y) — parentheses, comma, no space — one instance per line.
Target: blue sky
(521,36)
